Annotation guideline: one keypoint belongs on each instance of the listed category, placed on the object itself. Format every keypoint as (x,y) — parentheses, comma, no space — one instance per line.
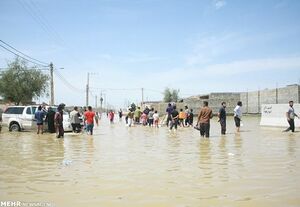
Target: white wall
(275,115)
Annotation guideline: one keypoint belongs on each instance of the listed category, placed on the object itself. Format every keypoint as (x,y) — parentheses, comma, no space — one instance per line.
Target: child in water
(144,119)
(130,117)
(111,116)
(181,118)
(156,119)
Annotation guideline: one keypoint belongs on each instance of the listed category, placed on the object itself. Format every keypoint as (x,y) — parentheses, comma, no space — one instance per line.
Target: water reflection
(205,163)
(142,166)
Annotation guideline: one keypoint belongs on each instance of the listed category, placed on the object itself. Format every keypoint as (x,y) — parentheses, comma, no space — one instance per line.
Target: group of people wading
(147,117)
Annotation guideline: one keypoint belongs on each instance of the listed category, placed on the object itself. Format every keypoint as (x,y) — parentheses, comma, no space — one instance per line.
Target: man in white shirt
(75,121)
(238,115)
(290,115)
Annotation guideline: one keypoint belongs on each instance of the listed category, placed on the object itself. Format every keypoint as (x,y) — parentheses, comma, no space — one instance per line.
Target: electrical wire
(37,15)
(66,83)
(22,56)
(27,56)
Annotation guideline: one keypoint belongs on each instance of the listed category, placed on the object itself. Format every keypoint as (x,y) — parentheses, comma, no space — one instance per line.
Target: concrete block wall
(231,99)
(253,100)
(289,93)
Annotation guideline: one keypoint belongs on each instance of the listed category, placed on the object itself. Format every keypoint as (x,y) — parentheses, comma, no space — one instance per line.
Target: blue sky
(195,46)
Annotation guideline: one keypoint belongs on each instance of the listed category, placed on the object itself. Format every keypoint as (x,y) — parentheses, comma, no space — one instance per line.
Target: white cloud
(206,48)
(219,4)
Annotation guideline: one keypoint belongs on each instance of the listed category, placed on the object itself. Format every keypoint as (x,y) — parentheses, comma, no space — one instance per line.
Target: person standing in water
(204,119)
(58,118)
(222,118)
(120,112)
(182,117)
(169,111)
(130,117)
(75,121)
(290,115)
(191,117)
(39,116)
(238,115)
(174,116)
(156,119)
(89,117)
(111,116)
(187,115)
(50,120)
(137,115)
(150,117)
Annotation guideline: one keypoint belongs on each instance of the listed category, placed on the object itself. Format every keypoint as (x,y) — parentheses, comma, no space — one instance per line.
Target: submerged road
(142,166)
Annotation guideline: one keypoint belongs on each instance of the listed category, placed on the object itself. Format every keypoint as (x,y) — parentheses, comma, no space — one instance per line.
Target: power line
(35,12)
(22,56)
(66,83)
(38,20)
(41,62)
(116,89)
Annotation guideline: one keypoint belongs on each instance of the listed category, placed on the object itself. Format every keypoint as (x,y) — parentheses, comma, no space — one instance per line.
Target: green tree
(175,95)
(167,95)
(171,95)
(19,84)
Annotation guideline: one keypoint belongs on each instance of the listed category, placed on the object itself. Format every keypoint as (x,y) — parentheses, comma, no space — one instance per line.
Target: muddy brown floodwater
(142,166)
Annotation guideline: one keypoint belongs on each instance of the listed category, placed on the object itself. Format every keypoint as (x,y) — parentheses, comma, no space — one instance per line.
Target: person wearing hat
(58,118)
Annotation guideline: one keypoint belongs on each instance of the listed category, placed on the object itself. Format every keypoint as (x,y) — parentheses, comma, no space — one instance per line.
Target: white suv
(18,118)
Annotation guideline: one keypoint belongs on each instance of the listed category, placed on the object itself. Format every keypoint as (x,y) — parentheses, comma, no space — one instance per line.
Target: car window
(14,110)
(28,111)
(33,109)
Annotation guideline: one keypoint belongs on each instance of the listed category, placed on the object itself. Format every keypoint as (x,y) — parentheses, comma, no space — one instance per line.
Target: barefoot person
(204,119)
(290,115)
(238,115)
(222,118)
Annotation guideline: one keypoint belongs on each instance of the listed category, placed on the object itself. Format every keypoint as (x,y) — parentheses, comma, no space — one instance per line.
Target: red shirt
(89,117)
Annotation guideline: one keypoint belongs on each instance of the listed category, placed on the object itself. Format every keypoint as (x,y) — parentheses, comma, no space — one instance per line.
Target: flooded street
(142,166)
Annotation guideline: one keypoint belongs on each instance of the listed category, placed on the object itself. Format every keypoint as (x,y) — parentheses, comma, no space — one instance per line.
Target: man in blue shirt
(39,116)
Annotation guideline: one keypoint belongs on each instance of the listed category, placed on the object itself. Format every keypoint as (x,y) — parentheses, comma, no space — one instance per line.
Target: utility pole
(142,97)
(276,93)
(101,101)
(87,90)
(247,98)
(51,85)
(96,102)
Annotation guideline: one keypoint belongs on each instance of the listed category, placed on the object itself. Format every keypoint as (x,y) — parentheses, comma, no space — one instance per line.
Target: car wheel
(15,127)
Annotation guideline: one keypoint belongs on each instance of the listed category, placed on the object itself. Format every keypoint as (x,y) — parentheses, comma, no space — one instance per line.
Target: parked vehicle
(66,119)
(18,118)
